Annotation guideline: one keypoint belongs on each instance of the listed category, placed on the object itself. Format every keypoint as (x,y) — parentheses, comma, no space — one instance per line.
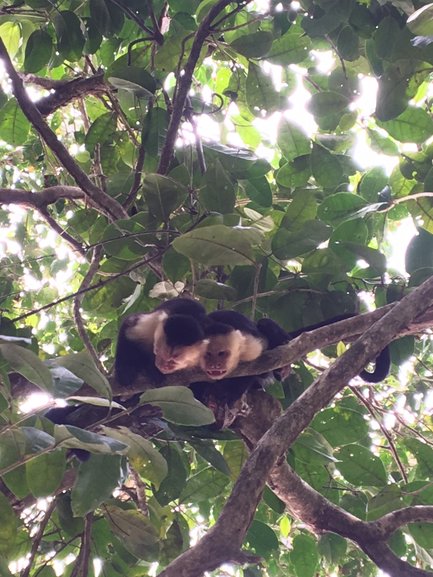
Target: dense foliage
(226,149)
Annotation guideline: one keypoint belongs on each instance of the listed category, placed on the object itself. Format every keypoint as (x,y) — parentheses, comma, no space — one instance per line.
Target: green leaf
(332,547)
(144,457)
(173,484)
(261,538)
(341,425)
(260,93)
(45,473)
(422,534)
(134,530)
(292,140)
(71,437)
(27,364)
(348,44)
(128,239)
(360,467)
(325,167)
(259,191)
(107,16)
(294,174)
(207,451)
(97,478)
(324,104)
(131,78)
(219,245)
(10,33)
(211,289)
(218,193)
(286,244)
(205,485)
(163,195)
(179,406)
(304,556)
(39,48)
(419,252)
(101,131)
(82,365)
(14,126)
(8,526)
(413,125)
(424,456)
(291,48)
(253,45)
(340,206)
(70,38)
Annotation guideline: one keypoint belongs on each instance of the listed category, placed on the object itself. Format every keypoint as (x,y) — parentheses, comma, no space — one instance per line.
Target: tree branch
(184,83)
(105,203)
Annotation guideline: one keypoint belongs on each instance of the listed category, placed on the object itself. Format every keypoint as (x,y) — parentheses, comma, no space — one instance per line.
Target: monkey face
(222,355)
(171,359)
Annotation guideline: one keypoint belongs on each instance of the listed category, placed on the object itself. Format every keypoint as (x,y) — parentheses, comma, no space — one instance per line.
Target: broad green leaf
(259,191)
(340,206)
(291,48)
(39,48)
(332,547)
(45,473)
(14,126)
(253,45)
(10,33)
(82,365)
(348,44)
(294,174)
(218,193)
(419,252)
(97,478)
(179,406)
(108,17)
(70,38)
(205,485)
(235,454)
(424,456)
(132,78)
(342,425)
(219,245)
(261,538)
(413,125)
(128,239)
(163,195)
(27,364)
(173,484)
(260,93)
(143,455)
(292,140)
(327,103)
(134,530)
(210,453)
(360,467)
(211,289)
(101,131)
(286,244)
(304,556)
(72,525)
(71,437)
(392,97)
(8,526)
(325,167)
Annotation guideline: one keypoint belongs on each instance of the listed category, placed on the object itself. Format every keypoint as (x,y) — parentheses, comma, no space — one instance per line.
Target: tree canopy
(226,150)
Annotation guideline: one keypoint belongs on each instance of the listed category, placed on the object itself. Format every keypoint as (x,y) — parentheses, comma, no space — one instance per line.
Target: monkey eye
(223,354)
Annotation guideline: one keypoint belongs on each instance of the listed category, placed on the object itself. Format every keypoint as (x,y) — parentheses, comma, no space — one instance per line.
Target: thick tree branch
(105,203)
(239,509)
(66,91)
(42,198)
(184,83)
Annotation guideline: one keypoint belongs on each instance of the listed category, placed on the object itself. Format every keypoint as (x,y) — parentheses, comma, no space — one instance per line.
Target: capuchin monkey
(232,338)
(168,339)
